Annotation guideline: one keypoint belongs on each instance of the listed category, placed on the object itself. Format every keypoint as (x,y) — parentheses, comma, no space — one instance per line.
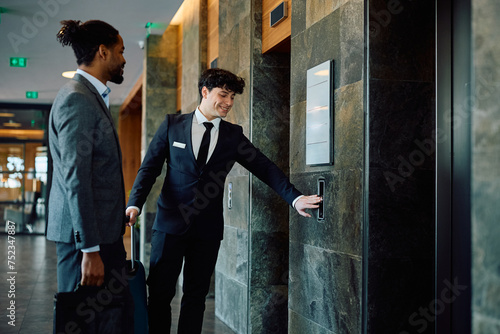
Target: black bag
(92,310)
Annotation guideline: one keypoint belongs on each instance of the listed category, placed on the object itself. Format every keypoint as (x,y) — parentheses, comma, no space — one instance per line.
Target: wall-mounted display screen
(319,127)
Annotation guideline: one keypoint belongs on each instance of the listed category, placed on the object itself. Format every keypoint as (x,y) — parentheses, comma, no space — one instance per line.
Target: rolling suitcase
(137,283)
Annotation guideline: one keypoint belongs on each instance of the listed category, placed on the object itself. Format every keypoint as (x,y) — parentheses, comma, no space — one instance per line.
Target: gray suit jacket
(87,197)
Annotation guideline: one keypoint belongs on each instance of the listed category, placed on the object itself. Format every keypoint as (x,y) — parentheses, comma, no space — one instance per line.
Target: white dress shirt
(99,86)
(198,129)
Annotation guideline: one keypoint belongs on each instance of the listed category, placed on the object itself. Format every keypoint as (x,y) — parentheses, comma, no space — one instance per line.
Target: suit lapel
(220,141)
(188,124)
(94,91)
(104,108)
(223,142)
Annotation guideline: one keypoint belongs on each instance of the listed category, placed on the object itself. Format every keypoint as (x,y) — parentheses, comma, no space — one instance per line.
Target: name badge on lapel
(179,145)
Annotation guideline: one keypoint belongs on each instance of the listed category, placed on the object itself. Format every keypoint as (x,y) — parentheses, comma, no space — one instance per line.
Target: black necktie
(205,144)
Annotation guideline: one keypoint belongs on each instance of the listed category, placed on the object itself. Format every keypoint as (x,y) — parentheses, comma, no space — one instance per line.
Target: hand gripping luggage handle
(132,244)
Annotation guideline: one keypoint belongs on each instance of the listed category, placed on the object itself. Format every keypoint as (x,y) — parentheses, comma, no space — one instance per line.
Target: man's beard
(117,76)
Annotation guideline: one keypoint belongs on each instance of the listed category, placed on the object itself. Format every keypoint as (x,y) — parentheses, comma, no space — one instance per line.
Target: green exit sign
(31,95)
(18,62)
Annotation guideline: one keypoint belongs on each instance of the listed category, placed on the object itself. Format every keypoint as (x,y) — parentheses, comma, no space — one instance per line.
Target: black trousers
(167,255)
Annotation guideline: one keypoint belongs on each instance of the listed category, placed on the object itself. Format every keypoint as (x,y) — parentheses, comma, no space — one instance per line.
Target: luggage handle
(133,251)
(132,244)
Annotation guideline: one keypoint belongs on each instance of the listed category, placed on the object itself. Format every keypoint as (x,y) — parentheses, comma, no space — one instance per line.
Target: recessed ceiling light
(69,74)
(12,124)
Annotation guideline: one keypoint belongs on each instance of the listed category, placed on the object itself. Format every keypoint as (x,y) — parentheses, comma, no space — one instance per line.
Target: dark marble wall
(401,186)
(485,186)
(252,270)
(326,257)
(232,270)
(194,51)
(159,98)
(268,233)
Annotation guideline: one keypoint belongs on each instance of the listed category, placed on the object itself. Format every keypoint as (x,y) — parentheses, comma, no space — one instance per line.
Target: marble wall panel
(300,324)
(341,230)
(268,241)
(485,186)
(159,99)
(231,302)
(325,287)
(238,215)
(317,10)
(319,43)
(194,59)
(232,271)
(234,262)
(269,309)
(325,256)
(352,46)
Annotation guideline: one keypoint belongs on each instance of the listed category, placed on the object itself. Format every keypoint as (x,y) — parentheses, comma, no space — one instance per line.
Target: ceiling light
(69,74)
(6,114)
(12,124)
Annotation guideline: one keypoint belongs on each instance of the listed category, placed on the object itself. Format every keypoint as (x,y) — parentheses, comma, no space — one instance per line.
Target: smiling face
(216,103)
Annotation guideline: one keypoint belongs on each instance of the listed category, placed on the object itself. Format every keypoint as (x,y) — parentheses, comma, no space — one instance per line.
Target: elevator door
(453,223)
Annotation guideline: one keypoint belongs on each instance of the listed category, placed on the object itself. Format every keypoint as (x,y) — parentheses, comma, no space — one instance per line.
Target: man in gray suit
(87,197)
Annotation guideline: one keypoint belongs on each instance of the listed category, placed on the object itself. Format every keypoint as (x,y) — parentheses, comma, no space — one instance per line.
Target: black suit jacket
(190,195)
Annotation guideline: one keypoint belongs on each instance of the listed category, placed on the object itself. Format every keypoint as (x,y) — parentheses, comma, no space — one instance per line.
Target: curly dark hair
(219,78)
(85,38)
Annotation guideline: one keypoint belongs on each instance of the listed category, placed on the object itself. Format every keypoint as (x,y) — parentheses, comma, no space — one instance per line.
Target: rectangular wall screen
(319,109)
(278,14)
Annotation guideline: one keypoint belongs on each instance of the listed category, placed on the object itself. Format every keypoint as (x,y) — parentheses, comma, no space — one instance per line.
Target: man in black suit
(200,149)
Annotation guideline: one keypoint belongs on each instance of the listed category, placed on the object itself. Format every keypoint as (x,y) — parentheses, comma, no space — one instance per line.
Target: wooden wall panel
(213,31)
(179,68)
(279,35)
(129,134)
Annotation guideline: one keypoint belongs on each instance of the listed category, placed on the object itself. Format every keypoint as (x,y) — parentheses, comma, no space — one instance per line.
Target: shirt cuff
(91,249)
(295,201)
(134,207)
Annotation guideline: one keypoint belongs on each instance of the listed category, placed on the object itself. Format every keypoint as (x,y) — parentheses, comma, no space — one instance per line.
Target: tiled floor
(35,285)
